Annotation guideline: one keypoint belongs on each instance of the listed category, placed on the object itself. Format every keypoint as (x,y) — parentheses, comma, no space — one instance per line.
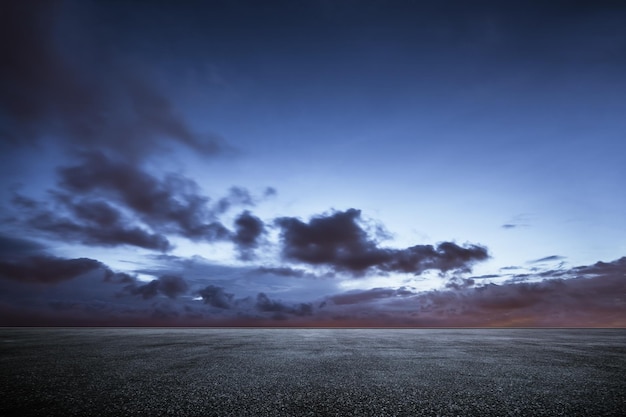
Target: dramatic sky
(313,163)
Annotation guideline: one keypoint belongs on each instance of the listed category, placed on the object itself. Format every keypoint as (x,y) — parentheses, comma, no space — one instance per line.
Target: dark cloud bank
(579,297)
(46,269)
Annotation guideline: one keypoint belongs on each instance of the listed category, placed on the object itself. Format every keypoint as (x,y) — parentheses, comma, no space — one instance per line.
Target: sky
(313,163)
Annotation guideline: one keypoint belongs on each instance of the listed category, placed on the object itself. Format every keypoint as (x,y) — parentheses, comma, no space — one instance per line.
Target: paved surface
(298,372)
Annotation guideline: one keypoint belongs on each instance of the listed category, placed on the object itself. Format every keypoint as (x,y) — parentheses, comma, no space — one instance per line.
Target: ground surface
(300,372)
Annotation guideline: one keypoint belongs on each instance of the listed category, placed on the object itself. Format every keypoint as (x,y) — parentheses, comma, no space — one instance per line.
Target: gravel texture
(313,372)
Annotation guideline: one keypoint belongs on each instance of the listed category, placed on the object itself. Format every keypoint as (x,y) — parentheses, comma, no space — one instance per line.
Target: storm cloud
(339,241)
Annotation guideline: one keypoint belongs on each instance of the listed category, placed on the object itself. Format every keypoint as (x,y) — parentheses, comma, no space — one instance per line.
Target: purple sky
(313,163)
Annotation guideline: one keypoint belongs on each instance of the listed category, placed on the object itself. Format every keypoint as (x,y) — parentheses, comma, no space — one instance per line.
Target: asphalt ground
(312,372)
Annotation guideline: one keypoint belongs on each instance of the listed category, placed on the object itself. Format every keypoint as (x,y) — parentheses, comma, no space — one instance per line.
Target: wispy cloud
(92,98)
(551,258)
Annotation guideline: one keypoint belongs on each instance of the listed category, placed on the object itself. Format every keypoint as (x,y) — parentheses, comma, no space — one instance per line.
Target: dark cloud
(520,278)
(236,196)
(446,256)
(266,305)
(248,230)
(358,297)
(577,300)
(487,276)
(45,269)
(282,271)
(270,192)
(173,204)
(172,285)
(547,259)
(594,296)
(80,86)
(458,283)
(107,201)
(169,285)
(338,240)
(335,240)
(12,247)
(616,267)
(216,297)
(118,277)
(520,220)
(23,202)
(95,222)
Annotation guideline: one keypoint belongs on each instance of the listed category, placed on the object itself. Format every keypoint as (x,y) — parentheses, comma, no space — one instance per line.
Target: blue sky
(226,163)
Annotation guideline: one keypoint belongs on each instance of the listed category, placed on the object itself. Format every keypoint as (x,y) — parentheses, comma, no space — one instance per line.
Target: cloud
(81,87)
(358,297)
(270,192)
(172,204)
(118,277)
(335,240)
(216,297)
(12,247)
(266,305)
(169,285)
(236,196)
(445,256)
(46,269)
(617,267)
(547,259)
(282,271)
(95,222)
(248,230)
(487,276)
(338,240)
(457,283)
(520,220)
(107,202)
(594,296)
